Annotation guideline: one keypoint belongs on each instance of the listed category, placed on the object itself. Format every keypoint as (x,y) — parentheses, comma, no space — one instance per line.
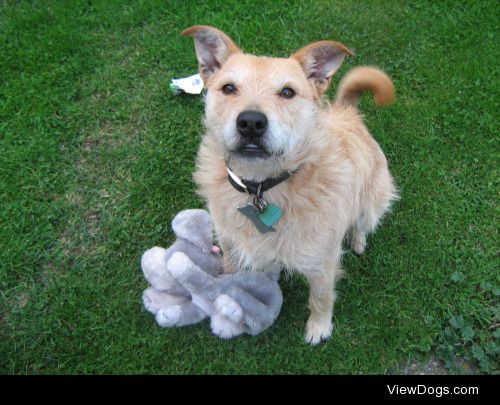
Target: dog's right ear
(213,48)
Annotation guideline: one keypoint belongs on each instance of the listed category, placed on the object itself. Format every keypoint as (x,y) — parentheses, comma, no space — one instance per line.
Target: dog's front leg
(228,265)
(321,299)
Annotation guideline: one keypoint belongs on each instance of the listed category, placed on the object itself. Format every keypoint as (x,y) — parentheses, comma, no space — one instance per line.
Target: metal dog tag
(271,214)
(253,214)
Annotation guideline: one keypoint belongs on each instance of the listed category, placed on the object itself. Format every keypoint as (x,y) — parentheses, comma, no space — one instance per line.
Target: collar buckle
(251,187)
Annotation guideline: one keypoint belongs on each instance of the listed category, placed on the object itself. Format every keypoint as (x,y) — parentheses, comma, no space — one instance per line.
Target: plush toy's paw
(168,317)
(154,267)
(149,301)
(153,258)
(179,264)
(317,330)
(155,300)
(224,328)
(229,308)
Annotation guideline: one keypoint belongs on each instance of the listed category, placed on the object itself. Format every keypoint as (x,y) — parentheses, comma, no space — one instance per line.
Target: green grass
(97,156)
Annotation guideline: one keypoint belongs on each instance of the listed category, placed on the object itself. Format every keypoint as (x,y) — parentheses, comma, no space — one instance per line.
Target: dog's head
(262,109)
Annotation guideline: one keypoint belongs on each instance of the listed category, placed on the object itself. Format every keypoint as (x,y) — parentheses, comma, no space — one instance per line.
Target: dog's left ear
(321,60)
(213,47)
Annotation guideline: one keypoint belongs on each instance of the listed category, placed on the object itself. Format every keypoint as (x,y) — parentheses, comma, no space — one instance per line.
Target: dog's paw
(168,317)
(224,328)
(358,244)
(318,330)
(229,308)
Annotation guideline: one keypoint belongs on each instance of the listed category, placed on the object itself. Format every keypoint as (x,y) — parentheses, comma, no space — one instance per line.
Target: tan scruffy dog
(286,174)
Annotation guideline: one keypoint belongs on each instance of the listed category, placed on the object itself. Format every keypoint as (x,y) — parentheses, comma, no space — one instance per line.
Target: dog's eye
(229,89)
(287,92)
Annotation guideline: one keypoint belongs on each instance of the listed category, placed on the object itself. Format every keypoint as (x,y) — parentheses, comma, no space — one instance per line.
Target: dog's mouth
(252,150)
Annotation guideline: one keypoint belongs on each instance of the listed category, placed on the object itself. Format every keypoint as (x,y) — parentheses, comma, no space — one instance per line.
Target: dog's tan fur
(342,185)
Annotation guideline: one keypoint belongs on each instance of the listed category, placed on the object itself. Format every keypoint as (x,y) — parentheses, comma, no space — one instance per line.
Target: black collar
(252,187)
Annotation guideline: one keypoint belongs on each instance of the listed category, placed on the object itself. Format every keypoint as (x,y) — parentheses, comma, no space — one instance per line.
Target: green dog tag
(271,214)
(252,213)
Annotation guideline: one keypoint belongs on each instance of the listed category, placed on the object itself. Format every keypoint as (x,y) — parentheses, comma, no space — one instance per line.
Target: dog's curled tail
(365,78)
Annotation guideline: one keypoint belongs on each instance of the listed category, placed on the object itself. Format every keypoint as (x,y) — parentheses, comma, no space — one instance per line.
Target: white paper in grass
(192,84)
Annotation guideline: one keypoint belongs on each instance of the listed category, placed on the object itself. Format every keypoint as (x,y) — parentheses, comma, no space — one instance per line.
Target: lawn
(97,157)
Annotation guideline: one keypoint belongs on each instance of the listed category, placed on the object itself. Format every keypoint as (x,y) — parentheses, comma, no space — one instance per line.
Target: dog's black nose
(251,124)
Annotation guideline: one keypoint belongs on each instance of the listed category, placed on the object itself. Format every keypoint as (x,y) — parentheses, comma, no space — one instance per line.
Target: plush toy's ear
(213,48)
(320,61)
(195,226)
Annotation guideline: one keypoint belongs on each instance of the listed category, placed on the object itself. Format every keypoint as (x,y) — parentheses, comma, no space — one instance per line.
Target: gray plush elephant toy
(187,284)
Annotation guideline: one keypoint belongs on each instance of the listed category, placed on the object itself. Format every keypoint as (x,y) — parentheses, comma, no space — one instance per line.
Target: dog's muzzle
(251,126)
